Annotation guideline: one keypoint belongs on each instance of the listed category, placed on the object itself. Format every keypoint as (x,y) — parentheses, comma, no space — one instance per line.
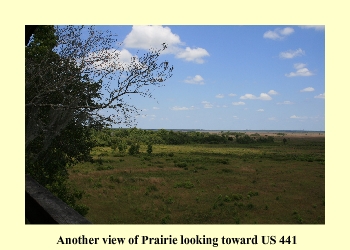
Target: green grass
(207,184)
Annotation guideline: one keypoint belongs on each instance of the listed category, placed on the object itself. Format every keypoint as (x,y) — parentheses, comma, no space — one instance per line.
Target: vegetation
(108,137)
(70,72)
(201,182)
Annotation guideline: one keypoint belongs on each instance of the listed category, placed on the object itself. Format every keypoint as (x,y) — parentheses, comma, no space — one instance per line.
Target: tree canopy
(72,73)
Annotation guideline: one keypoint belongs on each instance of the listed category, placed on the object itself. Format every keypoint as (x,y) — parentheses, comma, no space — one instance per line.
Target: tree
(72,74)
(103,83)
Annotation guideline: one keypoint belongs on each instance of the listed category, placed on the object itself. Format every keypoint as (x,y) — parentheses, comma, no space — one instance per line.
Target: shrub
(122,147)
(134,149)
(149,149)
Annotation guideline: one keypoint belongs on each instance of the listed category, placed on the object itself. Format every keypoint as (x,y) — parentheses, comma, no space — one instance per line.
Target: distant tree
(149,148)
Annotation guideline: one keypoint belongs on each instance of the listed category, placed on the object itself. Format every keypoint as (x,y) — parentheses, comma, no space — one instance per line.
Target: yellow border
(15,14)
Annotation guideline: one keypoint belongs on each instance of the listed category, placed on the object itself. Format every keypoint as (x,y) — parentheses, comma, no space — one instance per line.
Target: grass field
(260,183)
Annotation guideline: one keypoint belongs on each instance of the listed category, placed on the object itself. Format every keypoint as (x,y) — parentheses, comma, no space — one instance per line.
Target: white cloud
(152,117)
(263,96)
(298,117)
(197,79)
(207,105)
(238,103)
(285,102)
(308,89)
(177,108)
(272,118)
(260,110)
(146,37)
(292,53)
(219,96)
(111,59)
(272,92)
(286,31)
(156,108)
(301,71)
(195,55)
(248,96)
(231,94)
(278,34)
(236,117)
(321,96)
(316,27)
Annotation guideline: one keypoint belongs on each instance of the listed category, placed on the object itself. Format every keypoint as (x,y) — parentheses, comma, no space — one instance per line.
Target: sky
(233,77)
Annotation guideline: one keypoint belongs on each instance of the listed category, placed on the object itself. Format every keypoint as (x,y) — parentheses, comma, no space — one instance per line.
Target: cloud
(292,53)
(260,110)
(219,96)
(272,92)
(197,79)
(263,96)
(320,96)
(238,103)
(301,71)
(111,59)
(195,55)
(298,117)
(308,89)
(278,34)
(207,105)
(156,108)
(146,37)
(177,108)
(231,94)
(285,102)
(248,96)
(152,117)
(315,27)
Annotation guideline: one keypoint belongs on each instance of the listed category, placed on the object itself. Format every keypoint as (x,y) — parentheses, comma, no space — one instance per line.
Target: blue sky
(234,77)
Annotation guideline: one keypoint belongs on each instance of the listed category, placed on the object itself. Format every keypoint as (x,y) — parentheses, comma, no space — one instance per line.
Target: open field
(263,183)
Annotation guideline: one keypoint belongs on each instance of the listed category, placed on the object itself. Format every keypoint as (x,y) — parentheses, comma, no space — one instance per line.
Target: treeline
(121,138)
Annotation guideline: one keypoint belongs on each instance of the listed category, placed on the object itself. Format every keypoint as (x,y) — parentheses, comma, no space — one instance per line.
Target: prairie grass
(273,183)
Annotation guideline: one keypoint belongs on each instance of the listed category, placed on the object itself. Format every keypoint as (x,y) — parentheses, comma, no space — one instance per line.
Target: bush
(134,149)
(122,147)
(149,149)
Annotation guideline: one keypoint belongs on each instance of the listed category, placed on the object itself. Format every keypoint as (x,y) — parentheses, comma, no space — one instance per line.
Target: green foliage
(63,97)
(70,195)
(134,149)
(56,137)
(149,149)
(106,137)
(122,147)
